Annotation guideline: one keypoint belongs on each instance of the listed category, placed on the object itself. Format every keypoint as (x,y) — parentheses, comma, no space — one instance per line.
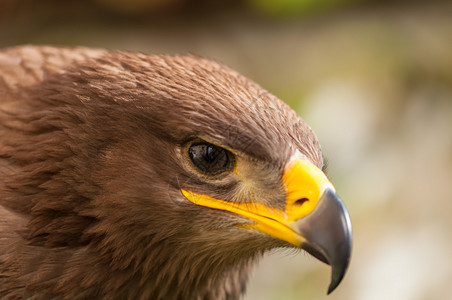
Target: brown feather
(91,169)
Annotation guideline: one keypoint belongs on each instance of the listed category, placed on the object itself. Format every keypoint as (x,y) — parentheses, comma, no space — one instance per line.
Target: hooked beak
(327,231)
(314,218)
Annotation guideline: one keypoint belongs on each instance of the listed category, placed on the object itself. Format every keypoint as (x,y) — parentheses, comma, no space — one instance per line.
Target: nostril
(301,201)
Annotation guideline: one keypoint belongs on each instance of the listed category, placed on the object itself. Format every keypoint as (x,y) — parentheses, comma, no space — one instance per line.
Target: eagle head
(132,176)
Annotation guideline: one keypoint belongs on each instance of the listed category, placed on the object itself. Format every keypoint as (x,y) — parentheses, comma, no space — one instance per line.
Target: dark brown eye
(210,159)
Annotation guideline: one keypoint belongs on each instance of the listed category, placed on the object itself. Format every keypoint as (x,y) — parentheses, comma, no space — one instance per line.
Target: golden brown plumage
(93,161)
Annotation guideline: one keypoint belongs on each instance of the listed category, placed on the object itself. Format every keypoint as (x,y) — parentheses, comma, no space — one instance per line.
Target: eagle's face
(230,167)
(178,167)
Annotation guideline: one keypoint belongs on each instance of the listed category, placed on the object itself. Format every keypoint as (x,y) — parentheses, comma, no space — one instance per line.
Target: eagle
(125,175)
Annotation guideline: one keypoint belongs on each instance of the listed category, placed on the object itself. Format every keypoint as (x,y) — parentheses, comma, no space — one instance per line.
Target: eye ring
(210,159)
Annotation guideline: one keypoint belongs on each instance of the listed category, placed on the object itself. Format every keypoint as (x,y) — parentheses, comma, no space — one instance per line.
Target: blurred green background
(372,78)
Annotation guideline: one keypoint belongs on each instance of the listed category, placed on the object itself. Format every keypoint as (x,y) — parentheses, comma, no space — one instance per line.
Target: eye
(210,159)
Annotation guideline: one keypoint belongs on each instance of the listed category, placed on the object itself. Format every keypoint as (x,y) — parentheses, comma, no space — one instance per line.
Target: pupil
(210,154)
(208,158)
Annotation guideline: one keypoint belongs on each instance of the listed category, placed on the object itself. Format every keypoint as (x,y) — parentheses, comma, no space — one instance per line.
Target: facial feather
(92,163)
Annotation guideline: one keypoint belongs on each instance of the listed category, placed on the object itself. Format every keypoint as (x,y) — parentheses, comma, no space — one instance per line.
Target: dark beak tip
(329,236)
(336,276)
(331,288)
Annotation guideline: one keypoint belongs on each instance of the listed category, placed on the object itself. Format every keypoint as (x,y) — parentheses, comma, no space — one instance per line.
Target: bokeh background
(372,78)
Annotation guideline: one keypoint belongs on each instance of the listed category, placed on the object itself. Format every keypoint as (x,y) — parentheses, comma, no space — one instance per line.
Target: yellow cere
(304,184)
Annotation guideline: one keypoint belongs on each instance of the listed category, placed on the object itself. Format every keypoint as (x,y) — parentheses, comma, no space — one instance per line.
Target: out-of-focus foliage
(294,8)
(138,6)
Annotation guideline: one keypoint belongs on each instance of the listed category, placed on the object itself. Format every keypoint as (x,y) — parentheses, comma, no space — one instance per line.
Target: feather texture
(92,163)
